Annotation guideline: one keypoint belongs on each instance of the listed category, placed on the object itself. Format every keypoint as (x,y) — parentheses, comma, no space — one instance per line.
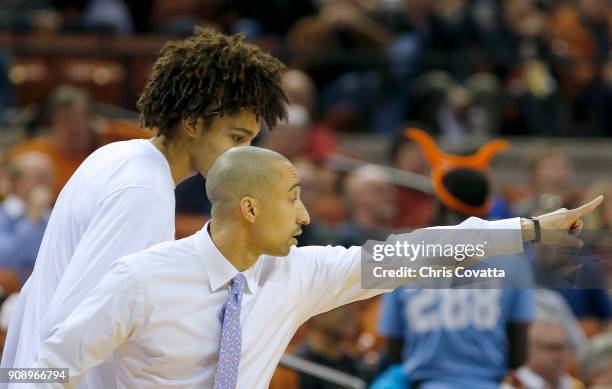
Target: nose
(303,216)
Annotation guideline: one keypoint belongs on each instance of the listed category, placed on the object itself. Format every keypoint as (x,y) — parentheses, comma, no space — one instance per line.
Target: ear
(249,208)
(191,127)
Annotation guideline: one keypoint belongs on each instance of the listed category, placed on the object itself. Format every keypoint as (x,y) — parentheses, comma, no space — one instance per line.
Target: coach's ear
(248,208)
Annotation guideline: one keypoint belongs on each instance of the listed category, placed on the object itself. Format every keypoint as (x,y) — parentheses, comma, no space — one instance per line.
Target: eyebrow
(245,130)
(296,185)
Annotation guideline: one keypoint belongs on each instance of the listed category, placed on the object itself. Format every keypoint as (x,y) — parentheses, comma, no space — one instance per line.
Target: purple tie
(231,336)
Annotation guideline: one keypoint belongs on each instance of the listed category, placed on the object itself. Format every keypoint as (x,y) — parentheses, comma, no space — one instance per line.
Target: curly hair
(211,74)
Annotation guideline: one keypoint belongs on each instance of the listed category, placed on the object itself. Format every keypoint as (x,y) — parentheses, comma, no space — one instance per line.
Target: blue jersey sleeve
(390,321)
(523,305)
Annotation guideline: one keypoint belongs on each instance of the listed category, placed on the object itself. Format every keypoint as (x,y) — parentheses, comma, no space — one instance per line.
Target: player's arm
(112,313)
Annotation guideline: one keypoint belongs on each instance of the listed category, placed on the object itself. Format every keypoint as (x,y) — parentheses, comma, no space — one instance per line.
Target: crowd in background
(519,67)
(453,67)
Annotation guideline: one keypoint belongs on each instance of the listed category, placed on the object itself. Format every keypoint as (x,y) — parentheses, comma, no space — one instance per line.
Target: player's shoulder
(133,163)
(134,151)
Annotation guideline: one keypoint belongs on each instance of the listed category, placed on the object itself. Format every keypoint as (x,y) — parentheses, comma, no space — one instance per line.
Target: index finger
(589,207)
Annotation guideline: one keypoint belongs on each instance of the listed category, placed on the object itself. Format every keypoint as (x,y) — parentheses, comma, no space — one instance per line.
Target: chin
(284,252)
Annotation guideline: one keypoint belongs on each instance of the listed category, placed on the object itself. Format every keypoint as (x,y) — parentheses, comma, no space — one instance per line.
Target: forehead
(547,332)
(286,175)
(245,120)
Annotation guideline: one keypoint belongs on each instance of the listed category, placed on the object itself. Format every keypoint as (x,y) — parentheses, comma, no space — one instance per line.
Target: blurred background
(537,73)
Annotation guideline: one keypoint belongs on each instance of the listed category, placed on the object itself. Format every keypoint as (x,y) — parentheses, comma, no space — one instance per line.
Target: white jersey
(119,201)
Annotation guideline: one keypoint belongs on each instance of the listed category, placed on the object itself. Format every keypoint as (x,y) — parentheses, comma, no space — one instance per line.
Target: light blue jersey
(456,338)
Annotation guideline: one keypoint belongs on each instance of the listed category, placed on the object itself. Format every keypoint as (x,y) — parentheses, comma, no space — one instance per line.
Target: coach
(217,309)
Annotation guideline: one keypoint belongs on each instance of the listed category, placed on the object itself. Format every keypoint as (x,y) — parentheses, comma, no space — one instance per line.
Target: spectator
(70,138)
(546,361)
(24,212)
(328,343)
(597,362)
(440,351)
(325,205)
(29,14)
(415,207)
(372,204)
(552,175)
(602,217)
(321,139)
(300,90)
(107,16)
(289,138)
(550,303)
(599,225)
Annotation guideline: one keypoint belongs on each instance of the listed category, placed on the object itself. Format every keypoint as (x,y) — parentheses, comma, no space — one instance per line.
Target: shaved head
(242,171)
(255,196)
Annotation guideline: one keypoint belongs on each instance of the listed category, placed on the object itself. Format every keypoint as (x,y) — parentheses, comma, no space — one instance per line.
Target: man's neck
(176,154)
(233,243)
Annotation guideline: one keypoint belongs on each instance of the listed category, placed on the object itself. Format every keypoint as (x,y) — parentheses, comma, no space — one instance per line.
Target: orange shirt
(64,164)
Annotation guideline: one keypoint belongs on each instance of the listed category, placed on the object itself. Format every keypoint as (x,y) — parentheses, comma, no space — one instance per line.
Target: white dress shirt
(119,201)
(158,311)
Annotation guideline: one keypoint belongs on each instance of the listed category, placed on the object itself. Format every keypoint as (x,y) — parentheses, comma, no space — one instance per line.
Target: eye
(237,138)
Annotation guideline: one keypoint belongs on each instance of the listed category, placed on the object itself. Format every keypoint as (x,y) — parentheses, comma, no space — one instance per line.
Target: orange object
(64,164)
(284,378)
(441,163)
(117,130)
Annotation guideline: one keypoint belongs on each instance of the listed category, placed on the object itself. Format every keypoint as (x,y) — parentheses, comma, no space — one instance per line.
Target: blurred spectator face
(29,171)
(71,127)
(548,350)
(299,88)
(553,173)
(70,119)
(459,99)
(371,195)
(410,158)
(289,138)
(523,18)
(311,183)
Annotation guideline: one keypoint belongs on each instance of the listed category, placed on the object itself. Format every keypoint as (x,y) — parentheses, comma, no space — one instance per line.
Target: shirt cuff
(506,236)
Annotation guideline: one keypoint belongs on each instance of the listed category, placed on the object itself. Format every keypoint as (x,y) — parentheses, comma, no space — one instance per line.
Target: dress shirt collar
(220,270)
